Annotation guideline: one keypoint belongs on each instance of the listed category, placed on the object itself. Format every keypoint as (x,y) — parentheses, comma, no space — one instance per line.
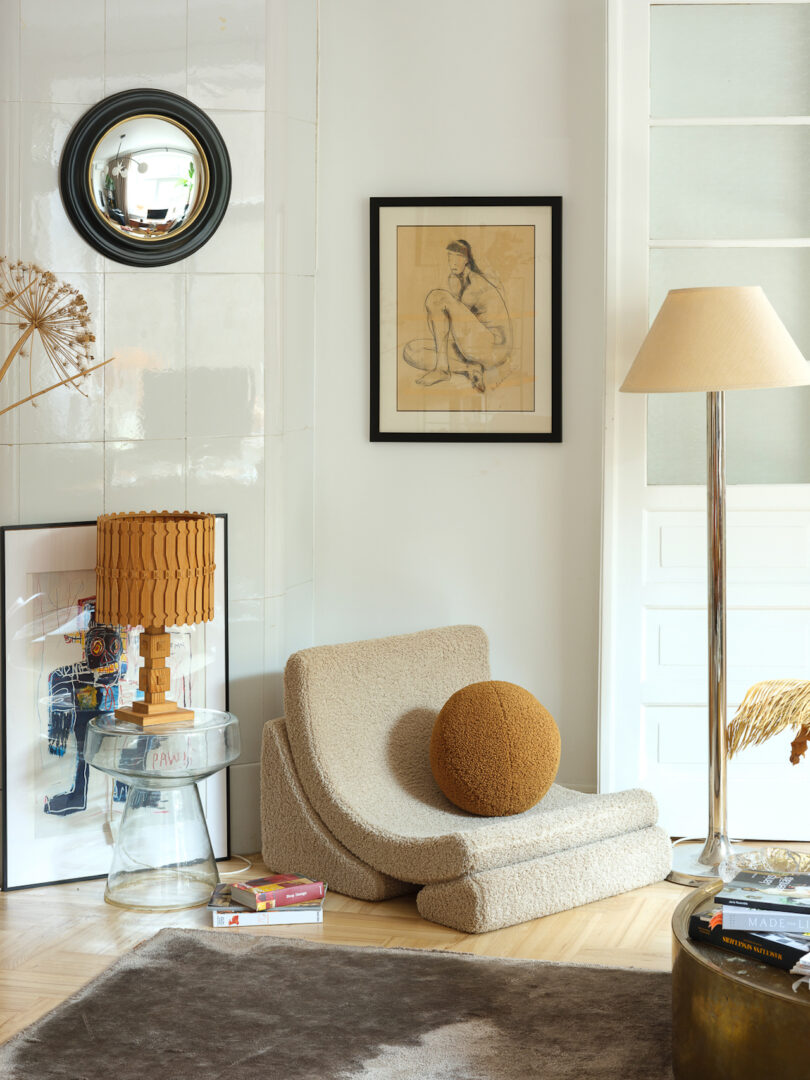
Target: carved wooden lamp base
(174,715)
(153,679)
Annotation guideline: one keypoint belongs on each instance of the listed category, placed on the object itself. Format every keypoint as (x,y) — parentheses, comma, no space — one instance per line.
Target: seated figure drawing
(470,326)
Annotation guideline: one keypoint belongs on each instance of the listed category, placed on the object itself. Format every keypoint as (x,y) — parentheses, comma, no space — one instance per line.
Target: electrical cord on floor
(241,870)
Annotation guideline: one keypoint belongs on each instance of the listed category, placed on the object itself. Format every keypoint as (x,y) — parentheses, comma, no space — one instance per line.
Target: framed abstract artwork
(466,299)
(59,669)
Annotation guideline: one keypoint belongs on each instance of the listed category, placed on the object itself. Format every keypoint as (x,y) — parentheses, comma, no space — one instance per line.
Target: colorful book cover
(276,890)
(221,900)
(767,892)
(779,950)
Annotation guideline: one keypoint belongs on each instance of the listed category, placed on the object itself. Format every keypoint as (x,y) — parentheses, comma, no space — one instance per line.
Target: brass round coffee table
(732,1018)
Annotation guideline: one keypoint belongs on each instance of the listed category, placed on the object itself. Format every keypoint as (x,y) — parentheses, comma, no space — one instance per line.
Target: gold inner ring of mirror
(197,208)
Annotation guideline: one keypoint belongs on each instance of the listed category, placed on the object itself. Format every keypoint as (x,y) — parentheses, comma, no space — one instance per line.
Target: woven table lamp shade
(155,570)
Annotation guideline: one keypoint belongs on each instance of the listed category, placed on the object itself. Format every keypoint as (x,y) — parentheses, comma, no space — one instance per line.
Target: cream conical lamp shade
(723,338)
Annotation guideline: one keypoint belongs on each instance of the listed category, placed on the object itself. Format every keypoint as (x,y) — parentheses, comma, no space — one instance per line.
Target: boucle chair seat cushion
(493,899)
(359,721)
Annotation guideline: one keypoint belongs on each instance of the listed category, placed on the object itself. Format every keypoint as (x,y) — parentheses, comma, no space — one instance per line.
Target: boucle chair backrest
(359,718)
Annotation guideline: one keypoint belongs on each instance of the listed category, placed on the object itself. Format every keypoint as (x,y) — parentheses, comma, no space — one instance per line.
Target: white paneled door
(709,170)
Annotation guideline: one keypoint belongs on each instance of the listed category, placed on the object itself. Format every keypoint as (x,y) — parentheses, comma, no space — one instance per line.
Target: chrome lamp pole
(688,868)
(717,849)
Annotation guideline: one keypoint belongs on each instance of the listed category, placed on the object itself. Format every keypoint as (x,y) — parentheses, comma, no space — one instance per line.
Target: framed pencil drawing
(466,297)
(60,668)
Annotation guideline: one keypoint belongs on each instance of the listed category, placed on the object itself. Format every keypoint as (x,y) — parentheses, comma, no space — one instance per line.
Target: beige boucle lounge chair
(348,796)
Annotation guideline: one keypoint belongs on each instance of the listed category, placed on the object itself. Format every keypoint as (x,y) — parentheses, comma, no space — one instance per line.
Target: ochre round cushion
(495,749)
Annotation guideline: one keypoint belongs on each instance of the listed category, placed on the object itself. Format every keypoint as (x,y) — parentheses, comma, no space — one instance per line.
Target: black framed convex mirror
(145,177)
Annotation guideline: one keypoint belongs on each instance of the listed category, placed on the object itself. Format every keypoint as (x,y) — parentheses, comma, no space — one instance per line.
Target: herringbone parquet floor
(53,940)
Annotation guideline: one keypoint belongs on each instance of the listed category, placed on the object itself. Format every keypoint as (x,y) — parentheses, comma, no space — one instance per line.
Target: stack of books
(267,901)
(764,916)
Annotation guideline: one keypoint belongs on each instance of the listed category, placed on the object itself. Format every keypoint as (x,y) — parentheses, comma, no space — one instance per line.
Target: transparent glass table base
(163,859)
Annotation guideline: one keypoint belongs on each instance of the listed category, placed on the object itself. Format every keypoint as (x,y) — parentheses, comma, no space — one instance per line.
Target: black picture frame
(77,198)
(11,873)
(386,346)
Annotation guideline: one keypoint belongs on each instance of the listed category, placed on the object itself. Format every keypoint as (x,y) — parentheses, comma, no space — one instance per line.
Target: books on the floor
(276,890)
(225,911)
(275,917)
(778,949)
(756,891)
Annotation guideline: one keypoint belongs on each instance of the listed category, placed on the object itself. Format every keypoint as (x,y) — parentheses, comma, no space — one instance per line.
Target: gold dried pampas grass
(769,708)
(54,314)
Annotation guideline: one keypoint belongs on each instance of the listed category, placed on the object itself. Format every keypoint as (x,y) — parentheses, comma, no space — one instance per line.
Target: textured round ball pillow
(495,749)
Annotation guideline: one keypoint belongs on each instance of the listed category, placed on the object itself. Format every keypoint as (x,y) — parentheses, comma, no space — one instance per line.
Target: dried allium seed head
(54,312)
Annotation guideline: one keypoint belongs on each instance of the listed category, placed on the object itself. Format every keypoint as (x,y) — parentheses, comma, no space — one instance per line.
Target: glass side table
(163,860)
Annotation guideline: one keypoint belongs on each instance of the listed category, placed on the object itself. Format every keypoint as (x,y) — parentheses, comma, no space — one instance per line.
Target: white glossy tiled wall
(209,402)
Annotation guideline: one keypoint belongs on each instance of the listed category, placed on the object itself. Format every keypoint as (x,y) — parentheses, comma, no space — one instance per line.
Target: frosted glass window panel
(767,437)
(767,431)
(784,274)
(729,183)
(730,60)
(676,438)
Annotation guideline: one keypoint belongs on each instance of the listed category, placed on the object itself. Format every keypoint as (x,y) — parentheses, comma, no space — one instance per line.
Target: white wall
(444,97)
(200,408)
(417,98)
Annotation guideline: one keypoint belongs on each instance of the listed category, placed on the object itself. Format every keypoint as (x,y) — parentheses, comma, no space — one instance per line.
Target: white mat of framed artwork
(57,828)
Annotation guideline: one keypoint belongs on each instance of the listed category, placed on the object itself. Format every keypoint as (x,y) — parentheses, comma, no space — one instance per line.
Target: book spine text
(744,944)
(765,922)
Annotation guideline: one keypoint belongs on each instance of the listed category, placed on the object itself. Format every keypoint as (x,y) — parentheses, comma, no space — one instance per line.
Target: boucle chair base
(513,894)
(295,840)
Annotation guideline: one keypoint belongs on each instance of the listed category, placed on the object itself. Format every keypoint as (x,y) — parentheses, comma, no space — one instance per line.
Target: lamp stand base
(686,870)
(146,714)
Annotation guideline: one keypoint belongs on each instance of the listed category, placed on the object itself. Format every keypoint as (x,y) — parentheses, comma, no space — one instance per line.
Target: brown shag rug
(211,1004)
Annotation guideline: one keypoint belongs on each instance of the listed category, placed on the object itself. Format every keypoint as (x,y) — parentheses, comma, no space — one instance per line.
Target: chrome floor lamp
(712,340)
